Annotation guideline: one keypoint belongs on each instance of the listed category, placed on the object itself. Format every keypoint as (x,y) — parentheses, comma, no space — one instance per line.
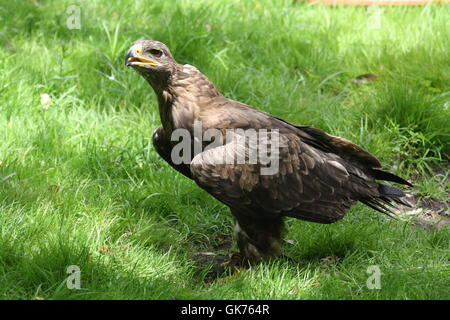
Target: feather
(384,175)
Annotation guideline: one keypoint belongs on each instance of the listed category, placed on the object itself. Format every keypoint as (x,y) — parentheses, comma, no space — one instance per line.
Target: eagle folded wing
(309,184)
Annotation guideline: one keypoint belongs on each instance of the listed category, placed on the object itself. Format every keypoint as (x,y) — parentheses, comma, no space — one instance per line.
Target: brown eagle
(318,178)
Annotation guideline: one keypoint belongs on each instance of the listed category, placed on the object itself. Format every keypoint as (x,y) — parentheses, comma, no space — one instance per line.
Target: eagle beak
(134,57)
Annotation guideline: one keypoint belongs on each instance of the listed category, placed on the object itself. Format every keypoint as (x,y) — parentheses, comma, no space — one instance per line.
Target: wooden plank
(377,2)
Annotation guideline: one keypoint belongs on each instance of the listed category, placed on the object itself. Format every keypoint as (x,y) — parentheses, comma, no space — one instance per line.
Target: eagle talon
(236,261)
(233,266)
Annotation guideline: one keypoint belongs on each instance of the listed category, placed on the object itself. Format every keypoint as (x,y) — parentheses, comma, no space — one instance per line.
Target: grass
(82,185)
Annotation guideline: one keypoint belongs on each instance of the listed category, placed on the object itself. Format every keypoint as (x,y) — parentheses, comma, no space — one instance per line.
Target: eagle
(318,176)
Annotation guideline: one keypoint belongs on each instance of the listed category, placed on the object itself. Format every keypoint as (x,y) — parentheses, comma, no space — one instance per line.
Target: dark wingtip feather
(388,199)
(390,191)
(387,176)
(381,205)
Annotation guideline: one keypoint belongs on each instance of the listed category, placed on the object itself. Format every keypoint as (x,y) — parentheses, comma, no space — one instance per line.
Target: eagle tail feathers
(390,197)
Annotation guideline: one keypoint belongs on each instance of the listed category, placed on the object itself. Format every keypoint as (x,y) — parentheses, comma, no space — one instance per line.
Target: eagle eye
(156,53)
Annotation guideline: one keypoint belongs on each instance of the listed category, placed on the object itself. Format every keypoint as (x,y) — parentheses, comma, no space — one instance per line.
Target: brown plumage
(320,176)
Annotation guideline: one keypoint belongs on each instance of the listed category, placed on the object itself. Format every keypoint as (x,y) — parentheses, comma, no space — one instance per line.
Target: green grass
(82,185)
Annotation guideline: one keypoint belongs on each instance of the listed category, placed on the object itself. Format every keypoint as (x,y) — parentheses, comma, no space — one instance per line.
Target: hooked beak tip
(129,57)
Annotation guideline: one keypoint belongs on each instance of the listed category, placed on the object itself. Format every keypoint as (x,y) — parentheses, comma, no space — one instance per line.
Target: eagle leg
(258,237)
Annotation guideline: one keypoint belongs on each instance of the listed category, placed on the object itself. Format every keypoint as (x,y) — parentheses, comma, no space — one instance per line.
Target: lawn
(80,183)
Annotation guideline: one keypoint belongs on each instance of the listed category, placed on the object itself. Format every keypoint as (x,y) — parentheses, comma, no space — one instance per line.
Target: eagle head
(151,58)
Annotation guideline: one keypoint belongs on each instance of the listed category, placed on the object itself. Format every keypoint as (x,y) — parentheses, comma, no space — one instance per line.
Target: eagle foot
(234,266)
(236,261)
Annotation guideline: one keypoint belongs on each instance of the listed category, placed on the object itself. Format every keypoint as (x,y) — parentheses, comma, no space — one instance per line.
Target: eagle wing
(309,184)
